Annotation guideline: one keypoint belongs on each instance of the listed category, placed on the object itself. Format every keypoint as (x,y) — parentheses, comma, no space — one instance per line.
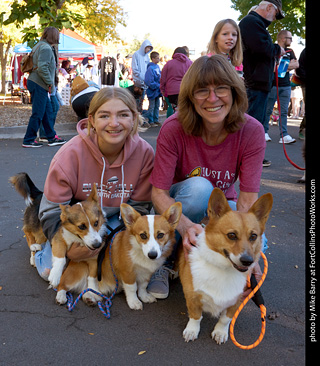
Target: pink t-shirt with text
(180,156)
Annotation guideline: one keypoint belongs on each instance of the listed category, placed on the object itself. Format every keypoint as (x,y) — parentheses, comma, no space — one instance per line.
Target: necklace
(227,55)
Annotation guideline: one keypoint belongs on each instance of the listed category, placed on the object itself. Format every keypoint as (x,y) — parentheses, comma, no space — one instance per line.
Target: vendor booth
(72,34)
(69,47)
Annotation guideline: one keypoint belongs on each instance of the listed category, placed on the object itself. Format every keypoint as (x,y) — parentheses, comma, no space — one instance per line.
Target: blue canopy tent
(68,47)
(71,47)
(21,48)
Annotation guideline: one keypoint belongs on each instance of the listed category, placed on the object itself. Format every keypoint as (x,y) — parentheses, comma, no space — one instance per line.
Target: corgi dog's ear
(128,214)
(64,212)
(94,194)
(173,214)
(261,209)
(218,204)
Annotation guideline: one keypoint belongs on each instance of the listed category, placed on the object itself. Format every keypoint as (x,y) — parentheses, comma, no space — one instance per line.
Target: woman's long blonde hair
(236,54)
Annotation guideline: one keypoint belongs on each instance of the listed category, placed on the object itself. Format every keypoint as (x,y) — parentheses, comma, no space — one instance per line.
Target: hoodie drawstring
(122,183)
(101,182)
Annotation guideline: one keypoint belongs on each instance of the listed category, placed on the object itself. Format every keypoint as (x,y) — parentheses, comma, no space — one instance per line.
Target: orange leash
(262,309)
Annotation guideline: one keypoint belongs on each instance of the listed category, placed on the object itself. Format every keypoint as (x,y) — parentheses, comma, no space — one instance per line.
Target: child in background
(152,80)
(226,41)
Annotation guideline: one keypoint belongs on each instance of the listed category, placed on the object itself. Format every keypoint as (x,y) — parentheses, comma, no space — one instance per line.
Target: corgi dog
(31,224)
(139,251)
(82,223)
(214,275)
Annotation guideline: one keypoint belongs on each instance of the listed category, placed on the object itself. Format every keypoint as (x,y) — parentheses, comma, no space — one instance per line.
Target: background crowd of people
(155,79)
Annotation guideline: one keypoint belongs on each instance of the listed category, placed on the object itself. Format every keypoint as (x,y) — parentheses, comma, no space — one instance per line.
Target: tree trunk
(4,51)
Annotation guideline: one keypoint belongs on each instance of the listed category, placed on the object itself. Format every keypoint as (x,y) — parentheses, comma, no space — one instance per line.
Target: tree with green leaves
(96,19)
(9,35)
(294,21)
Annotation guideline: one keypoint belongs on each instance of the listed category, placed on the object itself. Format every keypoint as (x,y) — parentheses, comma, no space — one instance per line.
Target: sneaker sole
(57,143)
(29,146)
(287,143)
(158,296)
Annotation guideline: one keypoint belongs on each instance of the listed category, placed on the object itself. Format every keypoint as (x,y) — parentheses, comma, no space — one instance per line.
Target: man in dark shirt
(284,39)
(259,55)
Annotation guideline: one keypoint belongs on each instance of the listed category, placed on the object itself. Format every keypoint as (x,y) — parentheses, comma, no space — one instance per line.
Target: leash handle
(262,309)
(257,298)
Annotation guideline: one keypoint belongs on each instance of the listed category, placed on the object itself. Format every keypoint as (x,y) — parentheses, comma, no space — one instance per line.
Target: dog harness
(108,240)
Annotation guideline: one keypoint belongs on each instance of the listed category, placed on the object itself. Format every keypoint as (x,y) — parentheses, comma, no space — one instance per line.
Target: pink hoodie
(172,74)
(79,164)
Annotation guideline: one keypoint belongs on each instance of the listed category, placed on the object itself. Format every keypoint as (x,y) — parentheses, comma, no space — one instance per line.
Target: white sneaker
(287,140)
(268,138)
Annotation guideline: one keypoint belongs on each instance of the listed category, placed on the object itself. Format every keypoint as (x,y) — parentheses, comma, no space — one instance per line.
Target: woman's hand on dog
(190,238)
(78,253)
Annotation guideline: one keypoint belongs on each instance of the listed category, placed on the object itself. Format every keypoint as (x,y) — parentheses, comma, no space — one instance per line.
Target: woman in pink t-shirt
(209,143)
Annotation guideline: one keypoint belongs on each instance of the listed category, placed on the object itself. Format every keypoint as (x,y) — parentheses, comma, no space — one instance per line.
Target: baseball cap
(278,4)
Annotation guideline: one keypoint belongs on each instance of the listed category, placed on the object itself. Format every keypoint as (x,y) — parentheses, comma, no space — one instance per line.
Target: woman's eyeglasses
(219,91)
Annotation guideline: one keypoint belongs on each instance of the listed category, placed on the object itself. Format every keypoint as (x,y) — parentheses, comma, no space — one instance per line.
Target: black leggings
(173,99)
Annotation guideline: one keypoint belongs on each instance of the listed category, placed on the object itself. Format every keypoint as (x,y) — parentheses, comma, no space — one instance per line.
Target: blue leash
(104,307)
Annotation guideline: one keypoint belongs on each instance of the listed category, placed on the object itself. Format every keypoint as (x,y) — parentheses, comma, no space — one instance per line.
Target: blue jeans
(194,194)
(55,108)
(257,100)
(41,112)
(284,98)
(153,111)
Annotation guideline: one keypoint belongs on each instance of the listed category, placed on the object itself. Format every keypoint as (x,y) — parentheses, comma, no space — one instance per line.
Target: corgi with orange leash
(214,275)
(138,251)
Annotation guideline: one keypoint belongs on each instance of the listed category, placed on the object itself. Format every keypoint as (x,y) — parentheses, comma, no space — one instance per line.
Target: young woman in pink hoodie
(107,152)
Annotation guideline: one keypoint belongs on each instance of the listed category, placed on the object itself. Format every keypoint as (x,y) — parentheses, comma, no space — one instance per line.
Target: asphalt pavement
(35,331)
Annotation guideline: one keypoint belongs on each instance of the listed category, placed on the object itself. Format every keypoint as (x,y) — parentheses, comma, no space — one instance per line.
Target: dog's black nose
(152,254)
(96,245)
(246,260)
